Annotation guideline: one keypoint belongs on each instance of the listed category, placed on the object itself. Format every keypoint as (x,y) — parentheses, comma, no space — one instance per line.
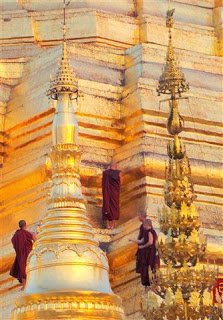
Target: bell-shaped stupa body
(67,272)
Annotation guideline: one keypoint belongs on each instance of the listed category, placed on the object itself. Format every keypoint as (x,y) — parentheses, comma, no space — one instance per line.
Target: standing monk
(147,252)
(142,218)
(22,242)
(111,182)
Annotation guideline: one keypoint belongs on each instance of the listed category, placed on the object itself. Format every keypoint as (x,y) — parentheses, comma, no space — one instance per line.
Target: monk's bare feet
(113,224)
(22,287)
(154,289)
(23,284)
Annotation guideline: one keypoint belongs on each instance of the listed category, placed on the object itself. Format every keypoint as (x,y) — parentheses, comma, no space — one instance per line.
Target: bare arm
(121,177)
(137,241)
(33,236)
(149,243)
(150,238)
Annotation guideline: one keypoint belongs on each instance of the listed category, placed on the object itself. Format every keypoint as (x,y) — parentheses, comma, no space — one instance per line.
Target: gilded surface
(184,281)
(117,50)
(67,273)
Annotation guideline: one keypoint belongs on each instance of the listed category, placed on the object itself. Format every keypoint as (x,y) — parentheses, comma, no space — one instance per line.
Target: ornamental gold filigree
(172,79)
(65,80)
(183,290)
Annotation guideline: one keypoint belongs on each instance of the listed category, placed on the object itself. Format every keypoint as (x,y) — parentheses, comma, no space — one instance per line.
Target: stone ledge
(96,24)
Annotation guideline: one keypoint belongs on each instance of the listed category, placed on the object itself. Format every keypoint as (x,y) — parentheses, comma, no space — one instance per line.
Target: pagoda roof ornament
(172,80)
(65,79)
(178,187)
(184,283)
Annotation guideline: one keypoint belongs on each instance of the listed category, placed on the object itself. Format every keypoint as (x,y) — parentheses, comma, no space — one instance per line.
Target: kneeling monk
(22,242)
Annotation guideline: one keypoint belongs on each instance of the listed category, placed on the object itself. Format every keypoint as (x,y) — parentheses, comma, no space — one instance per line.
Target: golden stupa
(67,273)
(117,50)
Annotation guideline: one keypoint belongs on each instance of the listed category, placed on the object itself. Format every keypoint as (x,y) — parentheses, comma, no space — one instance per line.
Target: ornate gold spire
(184,284)
(67,272)
(178,187)
(182,218)
(172,80)
(65,79)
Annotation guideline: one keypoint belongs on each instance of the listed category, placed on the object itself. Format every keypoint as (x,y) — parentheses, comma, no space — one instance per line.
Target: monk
(147,252)
(142,218)
(22,242)
(111,182)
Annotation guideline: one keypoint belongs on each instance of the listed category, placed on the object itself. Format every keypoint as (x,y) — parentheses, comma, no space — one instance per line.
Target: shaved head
(141,215)
(148,223)
(22,224)
(113,165)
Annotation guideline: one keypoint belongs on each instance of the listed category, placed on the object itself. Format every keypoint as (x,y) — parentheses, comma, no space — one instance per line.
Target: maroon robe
(110,191)
(22,242)
(148,257)
(140,236)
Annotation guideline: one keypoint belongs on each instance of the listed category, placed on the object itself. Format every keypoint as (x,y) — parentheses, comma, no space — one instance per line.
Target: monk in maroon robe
(142,218)
(111,182)
(22,242)
(147,253)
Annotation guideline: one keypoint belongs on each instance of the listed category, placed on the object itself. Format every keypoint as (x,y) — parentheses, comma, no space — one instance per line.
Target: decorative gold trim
(84,305)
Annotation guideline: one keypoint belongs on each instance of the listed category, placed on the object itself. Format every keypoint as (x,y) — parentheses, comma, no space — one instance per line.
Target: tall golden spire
(65,79)
(182,219)
(183,288)
(67,273)
(178,187)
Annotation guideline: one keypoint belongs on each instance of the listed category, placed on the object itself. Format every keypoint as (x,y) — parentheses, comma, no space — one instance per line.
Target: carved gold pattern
(172,79)
(84,305)
(185,284)
(65,80)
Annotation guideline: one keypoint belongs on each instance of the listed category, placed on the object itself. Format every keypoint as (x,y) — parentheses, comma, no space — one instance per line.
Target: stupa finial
(65,79)
(172,80)
(178,186)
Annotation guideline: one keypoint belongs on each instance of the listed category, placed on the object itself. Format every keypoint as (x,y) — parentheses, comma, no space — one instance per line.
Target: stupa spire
(178,188)
(65,80)
(67,272)
(184,283)
(172,80)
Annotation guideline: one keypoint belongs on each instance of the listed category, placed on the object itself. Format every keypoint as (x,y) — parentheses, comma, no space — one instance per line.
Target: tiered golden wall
(117,49)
